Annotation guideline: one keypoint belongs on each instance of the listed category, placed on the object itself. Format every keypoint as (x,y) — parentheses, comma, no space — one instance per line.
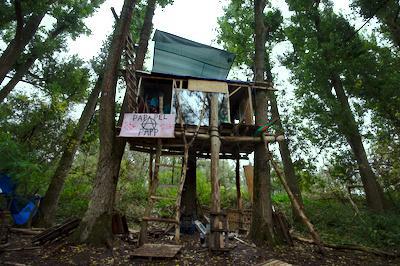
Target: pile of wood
(56,232)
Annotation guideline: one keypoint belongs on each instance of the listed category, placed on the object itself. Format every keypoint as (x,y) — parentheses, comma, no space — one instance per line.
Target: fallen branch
(349,247)
(10,263)
(25,231)
(19,249)
(4,245)
(244,242)
(294,201)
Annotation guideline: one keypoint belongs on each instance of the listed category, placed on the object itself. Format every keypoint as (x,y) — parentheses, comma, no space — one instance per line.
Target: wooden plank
(207,86)
(249,173)
(161,198)
(249,116)
(157,251)
(236,90)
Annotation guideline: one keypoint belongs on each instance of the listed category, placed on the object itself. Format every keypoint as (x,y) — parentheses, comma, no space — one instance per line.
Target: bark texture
(95,227)
(348,127)
(189,200)
(120,143)
(145,33)
(22,68)
(23,36)
(261,228)
(48,205)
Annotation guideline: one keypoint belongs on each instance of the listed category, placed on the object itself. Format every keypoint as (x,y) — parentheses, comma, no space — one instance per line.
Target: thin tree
(48,206)
(326,76)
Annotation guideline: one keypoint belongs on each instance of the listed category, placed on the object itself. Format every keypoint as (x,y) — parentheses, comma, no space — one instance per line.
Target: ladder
(132,87)
(153,197)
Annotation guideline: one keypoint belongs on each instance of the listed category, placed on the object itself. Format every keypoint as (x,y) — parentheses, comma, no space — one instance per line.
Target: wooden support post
(151,168)
(215,238)
(238,193)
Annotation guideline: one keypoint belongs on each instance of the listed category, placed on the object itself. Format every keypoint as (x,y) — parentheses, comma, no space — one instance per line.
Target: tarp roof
(178,56)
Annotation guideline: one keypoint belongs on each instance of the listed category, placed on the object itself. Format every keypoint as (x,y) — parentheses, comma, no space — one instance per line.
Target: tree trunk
(261,228)
(145,33)
(189,200)
(394,29)
(95,227)
(348,126)
(22,68)
(288,167)
(48,205)
(120,143)
(17,45)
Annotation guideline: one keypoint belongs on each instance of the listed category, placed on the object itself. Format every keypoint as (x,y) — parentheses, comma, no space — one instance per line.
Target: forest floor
(192,253)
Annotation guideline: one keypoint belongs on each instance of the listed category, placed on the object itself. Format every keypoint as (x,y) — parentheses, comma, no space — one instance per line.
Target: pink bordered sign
(148,125)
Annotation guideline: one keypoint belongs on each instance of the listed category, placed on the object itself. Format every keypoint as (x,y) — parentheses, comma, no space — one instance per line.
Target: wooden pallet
(56,232)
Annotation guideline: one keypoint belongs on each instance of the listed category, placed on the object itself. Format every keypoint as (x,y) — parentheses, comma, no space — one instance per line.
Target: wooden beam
(233,138)
(231,94)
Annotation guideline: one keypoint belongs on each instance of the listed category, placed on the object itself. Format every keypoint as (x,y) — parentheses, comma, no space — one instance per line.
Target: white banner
(148,125)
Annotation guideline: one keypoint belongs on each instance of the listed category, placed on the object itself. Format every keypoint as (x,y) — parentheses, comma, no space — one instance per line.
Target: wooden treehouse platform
(237,141)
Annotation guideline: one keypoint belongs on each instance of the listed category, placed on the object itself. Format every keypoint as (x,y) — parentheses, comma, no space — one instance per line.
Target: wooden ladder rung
(162,220)
(161,198)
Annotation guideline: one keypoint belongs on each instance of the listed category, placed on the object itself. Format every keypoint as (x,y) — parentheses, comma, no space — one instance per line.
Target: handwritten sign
(148,125)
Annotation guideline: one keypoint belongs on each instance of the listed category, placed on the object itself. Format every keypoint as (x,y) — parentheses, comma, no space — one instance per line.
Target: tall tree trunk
(145,34)
(48,205)
(22,68)
(348,127)
(17,45)
(288,167)
(95,227)
(120,143)
(394,29)
(261,228)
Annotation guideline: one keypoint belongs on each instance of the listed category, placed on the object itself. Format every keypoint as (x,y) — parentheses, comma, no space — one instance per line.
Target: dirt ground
(192,253)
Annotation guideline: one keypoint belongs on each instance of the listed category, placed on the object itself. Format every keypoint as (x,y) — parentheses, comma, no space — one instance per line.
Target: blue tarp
(7,185)
(21,208)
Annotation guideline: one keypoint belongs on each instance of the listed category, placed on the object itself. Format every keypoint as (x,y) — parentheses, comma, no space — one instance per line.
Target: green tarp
(178,56)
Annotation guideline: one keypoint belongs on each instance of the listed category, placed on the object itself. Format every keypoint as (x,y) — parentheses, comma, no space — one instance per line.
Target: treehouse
(187,107)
